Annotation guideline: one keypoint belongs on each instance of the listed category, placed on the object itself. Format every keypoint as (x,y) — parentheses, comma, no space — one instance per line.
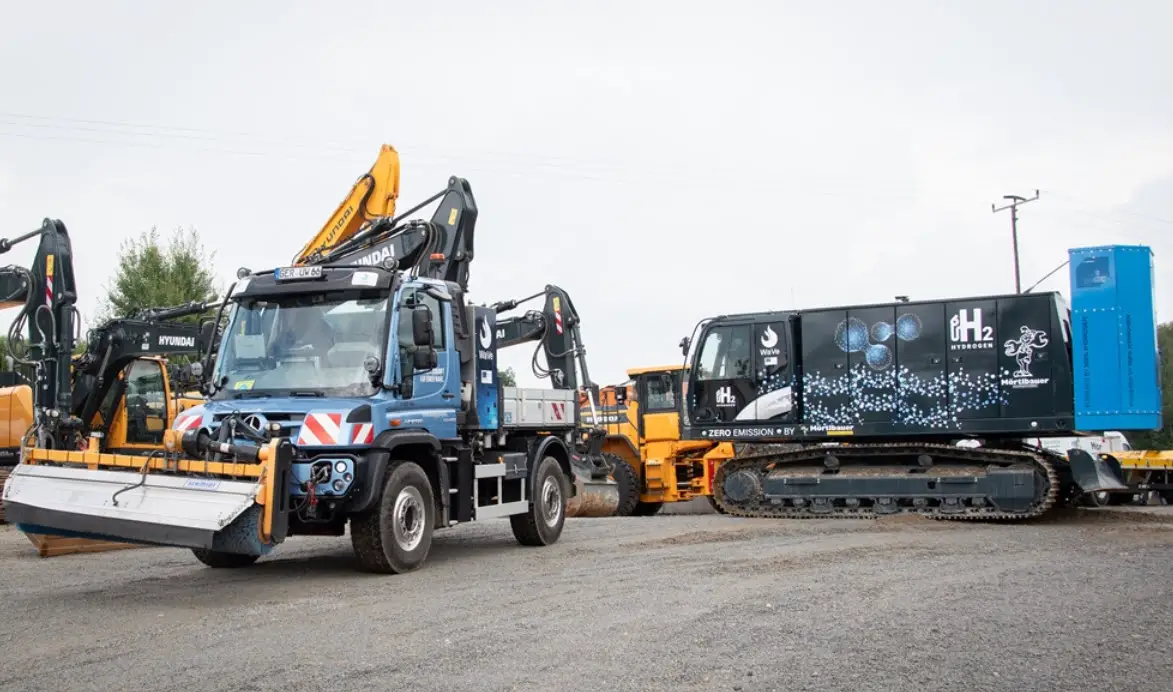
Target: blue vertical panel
(485,347)
(1114,339)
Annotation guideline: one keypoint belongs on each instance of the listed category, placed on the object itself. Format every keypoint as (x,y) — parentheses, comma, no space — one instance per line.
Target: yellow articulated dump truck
(642,422)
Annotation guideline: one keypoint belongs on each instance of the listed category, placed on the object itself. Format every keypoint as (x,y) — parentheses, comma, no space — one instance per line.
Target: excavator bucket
(596,492)
(1093,475)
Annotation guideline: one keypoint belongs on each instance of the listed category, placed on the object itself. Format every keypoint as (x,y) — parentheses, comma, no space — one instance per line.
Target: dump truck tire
(628,482)
(222,560)
(395,536)
(542,523)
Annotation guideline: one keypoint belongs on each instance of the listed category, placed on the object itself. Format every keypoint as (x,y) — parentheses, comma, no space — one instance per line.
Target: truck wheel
(542,523)
(218,559)
(628,485)
(394,537)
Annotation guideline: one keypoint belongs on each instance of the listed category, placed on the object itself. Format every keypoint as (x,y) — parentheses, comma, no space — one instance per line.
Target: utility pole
(1015,200)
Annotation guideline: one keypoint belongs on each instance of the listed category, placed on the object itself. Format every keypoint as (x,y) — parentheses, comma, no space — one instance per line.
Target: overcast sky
(660,164)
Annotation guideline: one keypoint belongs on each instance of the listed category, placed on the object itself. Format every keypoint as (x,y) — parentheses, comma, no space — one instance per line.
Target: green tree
(150,274)
(508,377)
(1163,438)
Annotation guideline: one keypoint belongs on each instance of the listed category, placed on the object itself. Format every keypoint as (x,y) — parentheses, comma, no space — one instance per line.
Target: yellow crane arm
(372,196)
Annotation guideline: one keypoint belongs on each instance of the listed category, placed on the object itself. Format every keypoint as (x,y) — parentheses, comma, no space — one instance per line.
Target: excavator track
(807,482)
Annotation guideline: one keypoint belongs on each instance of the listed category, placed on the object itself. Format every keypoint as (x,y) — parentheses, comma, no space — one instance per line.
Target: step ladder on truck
(345,392)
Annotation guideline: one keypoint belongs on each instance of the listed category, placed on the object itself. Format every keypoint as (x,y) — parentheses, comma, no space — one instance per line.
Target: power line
(1013,207)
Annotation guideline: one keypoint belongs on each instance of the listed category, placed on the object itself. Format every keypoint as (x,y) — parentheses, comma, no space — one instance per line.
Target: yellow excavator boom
(372,196)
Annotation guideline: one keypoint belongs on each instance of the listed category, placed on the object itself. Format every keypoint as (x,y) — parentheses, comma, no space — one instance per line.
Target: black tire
(646,509)
(395,536)
(222,560)
(628,482)
(542,523)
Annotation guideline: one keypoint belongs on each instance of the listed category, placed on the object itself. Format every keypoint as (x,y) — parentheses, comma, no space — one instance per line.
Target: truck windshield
(303,345)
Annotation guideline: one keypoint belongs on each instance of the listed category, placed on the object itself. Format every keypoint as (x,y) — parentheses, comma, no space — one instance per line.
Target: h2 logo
(964,328)
(724,396)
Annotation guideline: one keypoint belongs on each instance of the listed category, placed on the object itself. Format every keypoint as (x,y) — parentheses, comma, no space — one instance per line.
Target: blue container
(1115,362)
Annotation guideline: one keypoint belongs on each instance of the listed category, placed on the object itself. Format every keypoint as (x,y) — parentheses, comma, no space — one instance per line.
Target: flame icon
(769,338)
(486,335)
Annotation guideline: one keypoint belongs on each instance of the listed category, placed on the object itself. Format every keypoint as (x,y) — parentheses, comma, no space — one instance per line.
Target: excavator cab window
(146,403)
(725,354)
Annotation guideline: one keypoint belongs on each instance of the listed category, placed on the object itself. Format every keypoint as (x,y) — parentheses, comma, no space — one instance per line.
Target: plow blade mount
(596,493)
(1093,475)
(133,507)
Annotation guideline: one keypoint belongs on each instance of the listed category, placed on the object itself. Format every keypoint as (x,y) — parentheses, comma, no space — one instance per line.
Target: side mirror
(684,346)
(621,395)
(421,326)
(424,358)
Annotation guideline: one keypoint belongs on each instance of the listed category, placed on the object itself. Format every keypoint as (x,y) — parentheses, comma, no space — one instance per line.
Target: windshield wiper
(306,393)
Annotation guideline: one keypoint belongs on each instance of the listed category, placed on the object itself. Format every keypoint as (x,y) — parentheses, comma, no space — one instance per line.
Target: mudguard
(1092,475)
(372,466)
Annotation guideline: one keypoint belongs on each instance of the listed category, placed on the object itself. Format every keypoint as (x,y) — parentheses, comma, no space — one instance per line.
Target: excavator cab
(139,407)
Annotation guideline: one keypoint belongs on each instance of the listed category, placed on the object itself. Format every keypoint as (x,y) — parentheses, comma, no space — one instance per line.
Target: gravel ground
(686,602)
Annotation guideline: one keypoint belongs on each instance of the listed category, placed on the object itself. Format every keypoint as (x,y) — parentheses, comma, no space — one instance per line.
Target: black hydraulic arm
(46,293)
(113,345)
(556,329)
(441,248)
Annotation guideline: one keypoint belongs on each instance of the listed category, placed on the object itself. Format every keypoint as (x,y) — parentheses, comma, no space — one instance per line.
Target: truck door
(429,388)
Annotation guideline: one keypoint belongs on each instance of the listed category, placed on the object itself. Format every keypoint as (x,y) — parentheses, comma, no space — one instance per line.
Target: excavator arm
(46,293)
(365,230)
(117,343)
(556,329)
(440,248)
(372,197)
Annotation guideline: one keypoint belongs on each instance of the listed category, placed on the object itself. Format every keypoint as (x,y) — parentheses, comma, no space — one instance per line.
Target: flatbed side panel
(538,408)
(1114,338)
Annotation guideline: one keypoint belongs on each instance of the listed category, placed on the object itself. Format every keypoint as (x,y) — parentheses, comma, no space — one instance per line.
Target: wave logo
(769,337)
(486,334)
